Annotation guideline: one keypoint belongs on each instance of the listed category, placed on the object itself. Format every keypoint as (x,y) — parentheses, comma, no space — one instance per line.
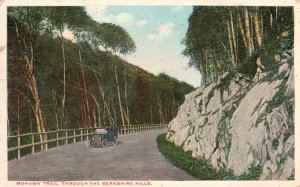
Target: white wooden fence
(65,137)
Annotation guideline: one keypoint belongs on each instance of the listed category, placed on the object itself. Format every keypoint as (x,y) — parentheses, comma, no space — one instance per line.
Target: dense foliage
(199,167)
(220,38)
(55,83)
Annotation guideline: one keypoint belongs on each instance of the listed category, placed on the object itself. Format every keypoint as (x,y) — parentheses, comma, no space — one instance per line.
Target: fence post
(46,144)
(74,139)
(19,143)
(32,142)
(87,132)
(66,136)
(57,142)
(80,134)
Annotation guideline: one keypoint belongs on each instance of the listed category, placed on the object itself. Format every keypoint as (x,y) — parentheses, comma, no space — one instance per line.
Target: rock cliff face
(237,124)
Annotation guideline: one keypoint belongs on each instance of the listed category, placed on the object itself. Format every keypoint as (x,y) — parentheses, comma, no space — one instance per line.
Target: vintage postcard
(149,93)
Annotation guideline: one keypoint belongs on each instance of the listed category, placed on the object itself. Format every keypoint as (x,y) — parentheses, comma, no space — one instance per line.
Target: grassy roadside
(196,167)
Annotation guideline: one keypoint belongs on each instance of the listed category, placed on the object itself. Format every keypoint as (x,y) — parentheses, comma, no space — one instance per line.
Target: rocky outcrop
(237,124)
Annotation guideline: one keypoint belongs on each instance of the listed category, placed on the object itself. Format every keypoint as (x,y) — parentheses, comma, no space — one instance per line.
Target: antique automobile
(104,137)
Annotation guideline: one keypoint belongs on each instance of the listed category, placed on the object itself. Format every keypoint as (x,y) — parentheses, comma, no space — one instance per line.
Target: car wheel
(92,144)
(115,140)
(104,143)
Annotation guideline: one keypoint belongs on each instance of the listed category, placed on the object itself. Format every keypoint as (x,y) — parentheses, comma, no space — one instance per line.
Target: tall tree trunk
(30,120)
(242,32)
(85,89)
(126,117)
(233,39)
(18,114)
(257,29)
(84,120)
(276,14)
(31,81)
(258,34)
(248,31)
(252,35)
(105,105)
(215,64)
(126,98)
(237,43)
(159,108)
(115,113)
(230,40)
(225,48)
(119,97)
(110,117)
(39,115)
(206,67)
(64,76)
(82,104)
(271,21)
(261,27)
(55,108)
(173,107)
(98,109)
(94,117)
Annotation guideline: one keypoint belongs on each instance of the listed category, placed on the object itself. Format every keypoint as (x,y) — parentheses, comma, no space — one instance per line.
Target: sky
(157,32)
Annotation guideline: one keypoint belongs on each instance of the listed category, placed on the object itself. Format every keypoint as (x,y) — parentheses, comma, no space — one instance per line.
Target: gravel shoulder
(136,157)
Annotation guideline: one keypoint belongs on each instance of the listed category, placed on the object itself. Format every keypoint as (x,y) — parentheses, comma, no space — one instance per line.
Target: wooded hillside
(54,83)
(221,39)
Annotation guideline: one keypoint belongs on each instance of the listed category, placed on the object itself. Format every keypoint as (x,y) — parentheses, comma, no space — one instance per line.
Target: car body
(103,137)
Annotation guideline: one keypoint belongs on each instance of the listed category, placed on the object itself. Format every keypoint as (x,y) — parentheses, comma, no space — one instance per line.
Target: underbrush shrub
(200,167)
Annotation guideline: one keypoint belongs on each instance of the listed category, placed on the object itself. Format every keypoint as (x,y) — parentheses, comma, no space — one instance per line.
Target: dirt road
(135,158)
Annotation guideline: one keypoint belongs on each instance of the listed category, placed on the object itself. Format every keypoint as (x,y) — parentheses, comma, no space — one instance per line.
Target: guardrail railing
(32,141)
